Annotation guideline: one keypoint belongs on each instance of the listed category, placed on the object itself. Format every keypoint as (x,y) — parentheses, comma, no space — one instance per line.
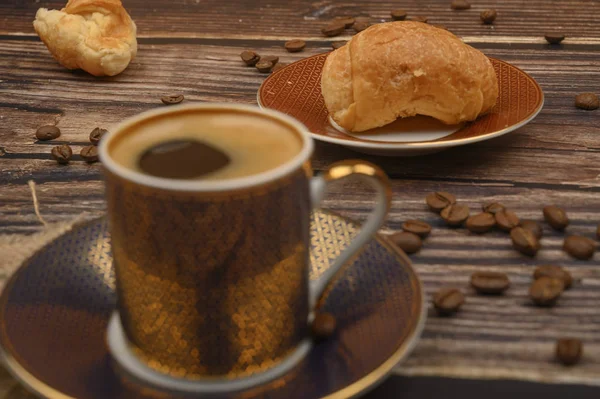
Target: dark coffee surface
(182,159)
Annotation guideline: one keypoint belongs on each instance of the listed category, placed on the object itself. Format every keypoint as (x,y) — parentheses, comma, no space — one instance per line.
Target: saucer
(296,90)
(55,310)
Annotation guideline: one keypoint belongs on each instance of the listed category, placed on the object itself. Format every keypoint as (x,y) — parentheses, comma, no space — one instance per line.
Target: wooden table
(193,47)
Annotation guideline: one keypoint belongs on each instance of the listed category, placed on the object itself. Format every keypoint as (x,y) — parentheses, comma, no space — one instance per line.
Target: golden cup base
(121,352)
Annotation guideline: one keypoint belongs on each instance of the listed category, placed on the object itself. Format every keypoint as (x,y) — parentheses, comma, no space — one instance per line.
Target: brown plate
(54,313)
(296,91)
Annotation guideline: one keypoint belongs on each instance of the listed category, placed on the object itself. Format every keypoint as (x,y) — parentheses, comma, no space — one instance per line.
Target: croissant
(400,69)
(97,36)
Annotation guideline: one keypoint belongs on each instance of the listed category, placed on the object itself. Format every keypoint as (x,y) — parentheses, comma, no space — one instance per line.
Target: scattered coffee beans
(448,300)
(524,241)
(569,351)
(488,16)
(493,207)
(62,154)
(338,44)
(419,18)
(579,247)
(439,200)
(507,220)
(359,26)
(554,38)
(417,227)
(264,66)
(96,135)
(347,21)
(250,57)
(556,217)
(408,242)
(532,226)
(554,272)
(460,5)
(481,223)
(587,101)
(545,291)
(491,283)
(323,326)
(295,46)
(334,29)
(455,214)
(48,132)
(273,59)
(172,99)
(399,15)
(89,153)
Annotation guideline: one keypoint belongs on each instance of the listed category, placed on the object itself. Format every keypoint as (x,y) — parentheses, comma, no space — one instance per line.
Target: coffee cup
(209,207)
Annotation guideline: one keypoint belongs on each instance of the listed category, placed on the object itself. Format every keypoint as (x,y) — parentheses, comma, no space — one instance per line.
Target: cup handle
(377,179)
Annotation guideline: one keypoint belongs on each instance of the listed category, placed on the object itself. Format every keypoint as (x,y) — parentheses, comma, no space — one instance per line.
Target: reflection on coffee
(206,145)
(182,159)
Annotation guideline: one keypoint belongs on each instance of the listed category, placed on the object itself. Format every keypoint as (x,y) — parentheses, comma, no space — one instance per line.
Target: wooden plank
(286,19)
(560,146)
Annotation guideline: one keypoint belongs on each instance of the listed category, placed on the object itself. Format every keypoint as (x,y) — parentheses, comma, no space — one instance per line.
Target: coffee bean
(455,214)
(556,217)
(554,272)
(408,242)
(439,200)
(419,18)
(338,44)
(264,66)
(273,59)
(62,154)
(323,326)
(295,46)
(334,29)
(488,16)
(96,135)
(359,26)
(460,5)
(545,291)
(399,15)
(532,226)
(569,351)
(579,247)
(417,227)
(524,241)
(347,21)
(48,132)
(89,153)
(554,38)
(278,66)
(448,301)
(250,57)
(507,220)
(587,101)
(491,283)
(481,223)
(493,207)
(172,99)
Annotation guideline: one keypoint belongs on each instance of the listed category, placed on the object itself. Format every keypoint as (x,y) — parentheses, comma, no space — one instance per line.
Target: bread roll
(97,36)
(401,69)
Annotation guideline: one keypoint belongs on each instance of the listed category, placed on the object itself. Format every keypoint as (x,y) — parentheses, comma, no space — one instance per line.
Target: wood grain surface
(193,47)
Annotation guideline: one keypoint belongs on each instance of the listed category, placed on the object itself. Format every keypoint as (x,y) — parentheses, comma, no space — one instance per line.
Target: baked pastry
(97,36)
(401,69)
